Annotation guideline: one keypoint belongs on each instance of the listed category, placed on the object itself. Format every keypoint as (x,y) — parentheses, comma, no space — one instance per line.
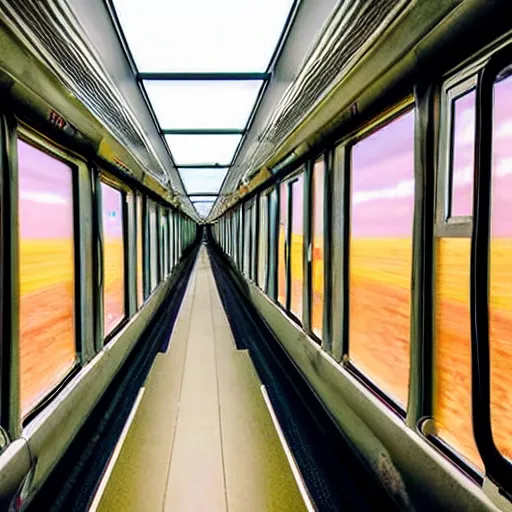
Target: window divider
(307,290)
(10,408)
(326,321)
(426,143)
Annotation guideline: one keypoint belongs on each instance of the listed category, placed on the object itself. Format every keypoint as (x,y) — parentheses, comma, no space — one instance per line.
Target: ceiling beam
(204,76)
(204,194)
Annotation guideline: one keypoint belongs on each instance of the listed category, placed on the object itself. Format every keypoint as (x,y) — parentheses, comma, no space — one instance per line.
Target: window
(452,343)
(317,248)
(47,273)
(165,243)
(247,239)
(140,263)
(153,245)
(254,213)
(263,247)
(297,246)
(382,204)
(463,151)
(500,270)
(282,247)
(113,257)
(171,241)
(272,238)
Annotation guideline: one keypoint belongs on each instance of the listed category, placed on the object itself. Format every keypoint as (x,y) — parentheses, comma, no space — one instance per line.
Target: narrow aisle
(202,437)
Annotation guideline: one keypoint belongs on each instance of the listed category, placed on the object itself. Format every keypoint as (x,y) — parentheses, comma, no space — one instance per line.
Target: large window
(140,262)
(452,405)
(164,242)
(247,250)
(263,242)
(382,201)
(282,244)
(47,275)
(317,248)
(297,246)
(113,257)
(153,245)
(500,271)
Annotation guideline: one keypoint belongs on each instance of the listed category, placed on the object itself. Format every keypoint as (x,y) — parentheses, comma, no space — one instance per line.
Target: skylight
(198,180)
(203,65)
(202,104)
(203,149)
(202,35)
(203,208)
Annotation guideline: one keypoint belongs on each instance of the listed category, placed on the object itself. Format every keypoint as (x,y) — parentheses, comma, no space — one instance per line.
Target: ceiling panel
(202,104)
(202,35)
(203,149)
(197,180)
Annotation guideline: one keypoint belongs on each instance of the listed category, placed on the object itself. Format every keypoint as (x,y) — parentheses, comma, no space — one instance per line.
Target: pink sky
(383,181)
(45,195)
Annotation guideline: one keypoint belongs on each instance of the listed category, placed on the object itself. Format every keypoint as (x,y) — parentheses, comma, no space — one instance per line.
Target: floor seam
(218,387)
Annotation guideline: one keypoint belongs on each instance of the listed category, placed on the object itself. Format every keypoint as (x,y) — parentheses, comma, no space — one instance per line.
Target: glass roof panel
(202,104)
(203,209)
(203,35)
(199,180)
(203,149)
(202,199)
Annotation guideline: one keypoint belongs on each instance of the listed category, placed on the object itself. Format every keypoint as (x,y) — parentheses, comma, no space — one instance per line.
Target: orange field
(380,312)
(47,341)
(47,333)
(114,309)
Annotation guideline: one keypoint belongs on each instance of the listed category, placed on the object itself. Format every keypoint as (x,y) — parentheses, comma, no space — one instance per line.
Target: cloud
(42,197)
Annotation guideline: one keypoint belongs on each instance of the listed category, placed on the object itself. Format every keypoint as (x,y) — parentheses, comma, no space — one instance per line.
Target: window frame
(83,328)
(447,225)
(108,179)
(347,146)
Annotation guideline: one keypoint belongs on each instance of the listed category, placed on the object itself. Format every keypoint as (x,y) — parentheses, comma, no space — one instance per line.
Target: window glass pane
(153,245)
(171,241)
(113,257)
(463,151)
(262,262)
(317,242)
(202,104)
(164,243)
(452,412)
(203,180)
(296,247)
(47,274)
(254,213)
(273,238)
(202,36)
(247,240)
(281,255)
(203,149)
(140,263)
(381,254)
(500,290)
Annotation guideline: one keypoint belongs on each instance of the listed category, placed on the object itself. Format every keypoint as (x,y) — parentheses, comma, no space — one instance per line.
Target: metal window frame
(11,132)
(447,225)
(380,122)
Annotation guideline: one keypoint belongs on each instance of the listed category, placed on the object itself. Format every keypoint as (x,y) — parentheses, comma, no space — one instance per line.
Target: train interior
(267,268)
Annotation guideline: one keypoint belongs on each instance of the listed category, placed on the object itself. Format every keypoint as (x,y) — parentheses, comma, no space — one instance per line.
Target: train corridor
(200,436)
